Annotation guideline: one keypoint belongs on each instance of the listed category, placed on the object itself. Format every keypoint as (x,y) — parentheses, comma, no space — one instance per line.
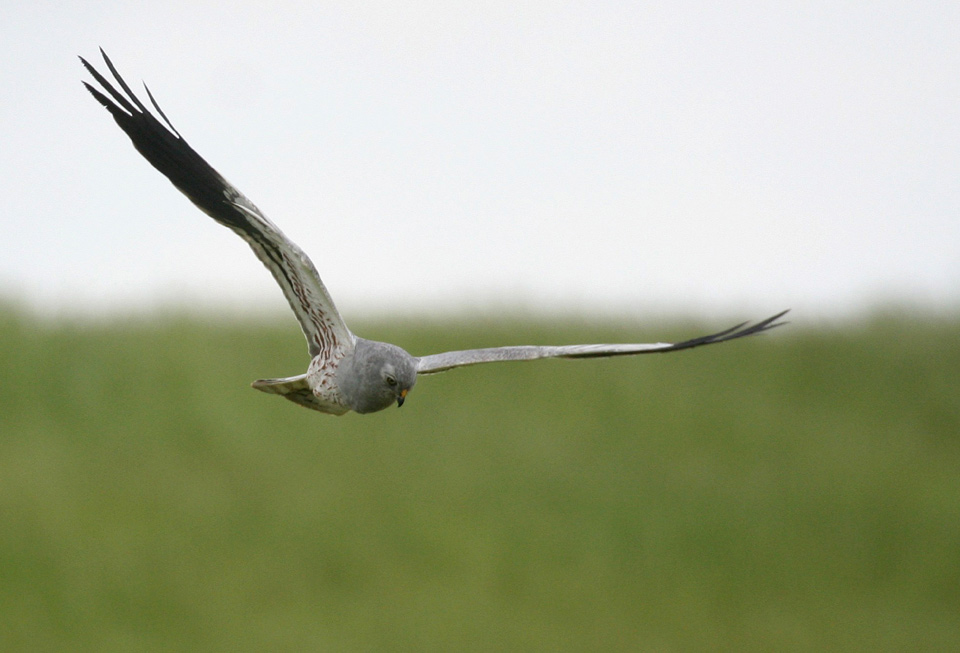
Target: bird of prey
(346,372)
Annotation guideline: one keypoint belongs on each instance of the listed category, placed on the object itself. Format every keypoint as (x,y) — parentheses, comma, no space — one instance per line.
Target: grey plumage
(376,375)
(345,372)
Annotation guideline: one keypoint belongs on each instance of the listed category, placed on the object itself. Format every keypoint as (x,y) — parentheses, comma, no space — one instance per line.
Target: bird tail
(290,384)
(297,390)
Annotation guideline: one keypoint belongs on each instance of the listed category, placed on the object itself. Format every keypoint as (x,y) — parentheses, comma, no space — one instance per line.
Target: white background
(564,157)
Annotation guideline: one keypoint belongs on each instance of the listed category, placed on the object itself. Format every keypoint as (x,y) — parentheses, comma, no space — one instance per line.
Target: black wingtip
(123,83)
(86,64)
(740,331)
(763,325)
(160,111)
(772,322)
(103,54)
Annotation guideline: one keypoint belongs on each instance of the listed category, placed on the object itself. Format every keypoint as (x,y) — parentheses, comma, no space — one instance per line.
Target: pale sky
(729,158)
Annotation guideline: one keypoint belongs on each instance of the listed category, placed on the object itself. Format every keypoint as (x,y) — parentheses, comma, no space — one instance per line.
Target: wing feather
(448,360)
(163,146)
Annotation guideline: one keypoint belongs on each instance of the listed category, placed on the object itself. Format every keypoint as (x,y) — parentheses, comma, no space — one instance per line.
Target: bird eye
(391,381)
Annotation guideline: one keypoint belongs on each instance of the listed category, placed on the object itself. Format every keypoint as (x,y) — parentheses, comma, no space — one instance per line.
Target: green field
(798,491)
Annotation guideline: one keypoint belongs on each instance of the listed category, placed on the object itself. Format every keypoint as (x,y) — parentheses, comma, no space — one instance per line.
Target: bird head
(375,375)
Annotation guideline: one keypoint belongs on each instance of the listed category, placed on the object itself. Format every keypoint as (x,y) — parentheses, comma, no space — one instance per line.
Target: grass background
(794,492)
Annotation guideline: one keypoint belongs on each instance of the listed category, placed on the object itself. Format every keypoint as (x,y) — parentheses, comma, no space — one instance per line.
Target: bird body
(346,373)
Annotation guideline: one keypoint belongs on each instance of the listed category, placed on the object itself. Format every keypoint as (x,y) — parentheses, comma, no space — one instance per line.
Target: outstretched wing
(162,145)
(445,361)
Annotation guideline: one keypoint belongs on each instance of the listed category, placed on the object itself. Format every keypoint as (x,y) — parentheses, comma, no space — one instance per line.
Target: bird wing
(163,146)
(448,360)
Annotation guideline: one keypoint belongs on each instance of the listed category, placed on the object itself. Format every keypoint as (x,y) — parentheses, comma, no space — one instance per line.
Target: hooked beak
(402,397)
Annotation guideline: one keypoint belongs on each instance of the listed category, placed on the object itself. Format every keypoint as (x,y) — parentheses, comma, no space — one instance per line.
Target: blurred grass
(794,492)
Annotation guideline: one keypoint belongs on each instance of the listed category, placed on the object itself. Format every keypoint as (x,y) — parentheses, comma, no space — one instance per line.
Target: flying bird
(346,372)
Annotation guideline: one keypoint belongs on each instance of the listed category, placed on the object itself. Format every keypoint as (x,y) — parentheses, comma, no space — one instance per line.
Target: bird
(346,372)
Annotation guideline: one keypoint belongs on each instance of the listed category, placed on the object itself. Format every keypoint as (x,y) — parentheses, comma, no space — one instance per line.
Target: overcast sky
(624,157)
